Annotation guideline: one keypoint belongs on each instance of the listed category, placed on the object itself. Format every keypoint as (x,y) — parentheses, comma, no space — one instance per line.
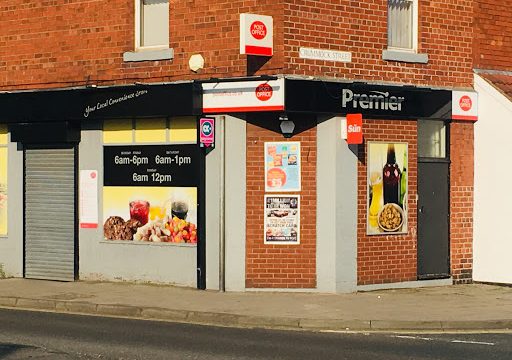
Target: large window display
(150,192)
(3,179)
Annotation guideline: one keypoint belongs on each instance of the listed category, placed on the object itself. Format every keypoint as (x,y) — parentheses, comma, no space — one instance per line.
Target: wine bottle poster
(387,186)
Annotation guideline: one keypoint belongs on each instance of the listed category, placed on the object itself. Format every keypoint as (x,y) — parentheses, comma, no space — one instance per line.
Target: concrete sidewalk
(459,307)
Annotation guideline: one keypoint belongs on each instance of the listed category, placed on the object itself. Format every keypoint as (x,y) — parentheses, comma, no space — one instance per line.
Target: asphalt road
(39,335)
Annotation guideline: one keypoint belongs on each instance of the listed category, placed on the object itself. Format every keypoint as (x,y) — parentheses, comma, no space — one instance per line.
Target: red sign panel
(207,131)
(354,128)
(256,35)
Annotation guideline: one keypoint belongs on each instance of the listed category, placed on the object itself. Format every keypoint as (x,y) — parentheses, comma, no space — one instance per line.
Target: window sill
(146,243)
(404,56)
(148,55)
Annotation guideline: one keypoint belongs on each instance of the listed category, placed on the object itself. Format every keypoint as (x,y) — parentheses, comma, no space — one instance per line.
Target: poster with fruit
(282,219)
(387,188)
(150,193)
(282,166)
(152,214)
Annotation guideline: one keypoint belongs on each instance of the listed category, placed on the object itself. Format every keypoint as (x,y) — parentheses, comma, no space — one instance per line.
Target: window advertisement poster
(150,193)
(88,199)
(282,219)
(3,191)
(282,166)
(387,188)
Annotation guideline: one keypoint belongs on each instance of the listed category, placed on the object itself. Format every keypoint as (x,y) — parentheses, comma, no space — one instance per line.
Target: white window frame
(414,34)
(138,17)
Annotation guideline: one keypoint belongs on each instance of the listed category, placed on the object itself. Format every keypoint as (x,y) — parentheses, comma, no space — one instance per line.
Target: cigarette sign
(256,35)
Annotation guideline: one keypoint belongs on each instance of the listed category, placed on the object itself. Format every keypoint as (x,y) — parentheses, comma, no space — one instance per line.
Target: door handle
(421,209)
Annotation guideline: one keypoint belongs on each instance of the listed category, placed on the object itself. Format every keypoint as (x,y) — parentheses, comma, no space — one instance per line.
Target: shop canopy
(88,103)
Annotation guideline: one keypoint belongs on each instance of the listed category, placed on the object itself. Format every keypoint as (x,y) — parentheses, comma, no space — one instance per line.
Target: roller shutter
(50,214)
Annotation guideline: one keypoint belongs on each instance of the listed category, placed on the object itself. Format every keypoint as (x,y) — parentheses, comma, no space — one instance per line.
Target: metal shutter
(50,214)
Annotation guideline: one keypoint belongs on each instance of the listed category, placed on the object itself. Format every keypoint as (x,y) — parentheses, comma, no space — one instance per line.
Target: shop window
(183,130)
(3,179)
(431,139)
(117,132)
(151,131)
(176,130)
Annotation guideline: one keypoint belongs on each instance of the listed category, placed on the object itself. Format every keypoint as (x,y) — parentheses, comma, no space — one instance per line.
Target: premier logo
(377,100)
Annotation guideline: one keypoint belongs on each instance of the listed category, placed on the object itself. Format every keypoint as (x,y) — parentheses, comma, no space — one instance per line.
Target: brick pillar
(280,266)
(461,201)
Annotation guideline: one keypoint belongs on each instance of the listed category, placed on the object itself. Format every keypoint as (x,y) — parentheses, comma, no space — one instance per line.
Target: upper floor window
(402,24)
(403,32)
(152,30)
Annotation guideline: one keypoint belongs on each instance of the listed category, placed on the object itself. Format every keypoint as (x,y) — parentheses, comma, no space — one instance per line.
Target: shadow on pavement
(9,349)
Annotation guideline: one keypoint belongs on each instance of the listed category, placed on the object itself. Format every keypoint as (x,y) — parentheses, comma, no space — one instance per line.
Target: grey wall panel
(11,247)
(235,203)
(336,209)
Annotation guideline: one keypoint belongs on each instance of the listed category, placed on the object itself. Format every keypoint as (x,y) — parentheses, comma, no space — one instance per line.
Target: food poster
(282,166)
(150,193)
(282,219)
(3,191)
(387,188)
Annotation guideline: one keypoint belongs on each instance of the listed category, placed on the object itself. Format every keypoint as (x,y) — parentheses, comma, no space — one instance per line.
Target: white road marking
(472,342)
(413,337)
(452,341)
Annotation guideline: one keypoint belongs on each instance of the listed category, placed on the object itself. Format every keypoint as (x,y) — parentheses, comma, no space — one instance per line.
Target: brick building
(101,107)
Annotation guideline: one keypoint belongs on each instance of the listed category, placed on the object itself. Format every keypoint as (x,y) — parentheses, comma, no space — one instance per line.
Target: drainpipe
(222,208)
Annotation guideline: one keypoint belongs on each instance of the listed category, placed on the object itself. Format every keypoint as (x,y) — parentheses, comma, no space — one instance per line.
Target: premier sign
(256,35)
(378,100)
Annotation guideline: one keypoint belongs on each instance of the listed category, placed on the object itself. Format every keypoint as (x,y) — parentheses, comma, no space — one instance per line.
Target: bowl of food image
(390,217)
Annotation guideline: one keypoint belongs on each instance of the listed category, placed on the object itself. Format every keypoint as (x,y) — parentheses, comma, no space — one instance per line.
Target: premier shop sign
(371,100)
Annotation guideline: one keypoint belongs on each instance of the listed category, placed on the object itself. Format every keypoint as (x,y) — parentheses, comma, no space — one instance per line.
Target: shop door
(50,213)
(433,200)
(433,230)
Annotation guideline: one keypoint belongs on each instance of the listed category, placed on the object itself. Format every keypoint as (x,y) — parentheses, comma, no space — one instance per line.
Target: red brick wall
(67,43)
(387,258)
(493,43)
(445,34)
(280,266)
(461,201)
(62,43)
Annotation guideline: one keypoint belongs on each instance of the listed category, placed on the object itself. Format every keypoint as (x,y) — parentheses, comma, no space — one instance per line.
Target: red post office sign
(354,128)
(465,105)
(256,35)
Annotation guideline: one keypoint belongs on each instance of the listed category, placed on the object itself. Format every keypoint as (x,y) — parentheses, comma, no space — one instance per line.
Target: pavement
(445,308)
